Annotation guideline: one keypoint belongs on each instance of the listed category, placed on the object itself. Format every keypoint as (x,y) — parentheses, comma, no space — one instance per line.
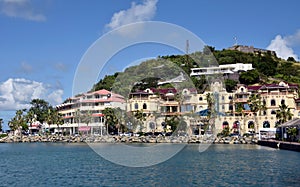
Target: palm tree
(77,118)
(18,121)
(110,119)
(210,105)
(283,114)
(139,115)
(254,102)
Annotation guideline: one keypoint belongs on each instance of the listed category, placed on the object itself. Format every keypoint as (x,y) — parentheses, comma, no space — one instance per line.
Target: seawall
(293,146)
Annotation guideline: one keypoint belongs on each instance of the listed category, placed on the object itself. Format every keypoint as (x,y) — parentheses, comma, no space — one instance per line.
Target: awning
(292,123)
(84,128)
(205,113)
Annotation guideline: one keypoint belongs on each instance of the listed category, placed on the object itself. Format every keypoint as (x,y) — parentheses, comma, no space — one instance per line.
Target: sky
(43,42)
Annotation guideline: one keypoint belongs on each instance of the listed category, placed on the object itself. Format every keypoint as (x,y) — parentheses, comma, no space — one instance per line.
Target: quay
(292,146)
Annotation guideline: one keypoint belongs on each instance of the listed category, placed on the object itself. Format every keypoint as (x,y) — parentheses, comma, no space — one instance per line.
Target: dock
(292,146)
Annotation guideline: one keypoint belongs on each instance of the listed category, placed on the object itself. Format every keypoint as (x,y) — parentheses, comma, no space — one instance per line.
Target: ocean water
(58,164)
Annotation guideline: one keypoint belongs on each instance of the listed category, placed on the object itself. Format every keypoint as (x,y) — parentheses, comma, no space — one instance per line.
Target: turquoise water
(57,164)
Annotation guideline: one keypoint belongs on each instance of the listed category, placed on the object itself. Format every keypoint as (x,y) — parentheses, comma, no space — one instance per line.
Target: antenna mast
(235,41)
(187,48)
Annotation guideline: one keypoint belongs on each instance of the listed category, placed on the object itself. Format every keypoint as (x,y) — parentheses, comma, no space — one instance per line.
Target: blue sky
(42,42)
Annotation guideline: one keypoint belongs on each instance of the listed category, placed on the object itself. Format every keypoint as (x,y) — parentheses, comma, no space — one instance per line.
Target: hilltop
(268,68)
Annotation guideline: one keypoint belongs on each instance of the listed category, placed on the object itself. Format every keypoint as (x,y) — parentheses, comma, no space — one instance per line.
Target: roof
(141,93)
(292,123)
(271,86)
(164,90)
(99,92)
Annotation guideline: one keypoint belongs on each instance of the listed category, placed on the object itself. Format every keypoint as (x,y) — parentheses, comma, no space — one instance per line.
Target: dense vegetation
(268,69)
(40,110)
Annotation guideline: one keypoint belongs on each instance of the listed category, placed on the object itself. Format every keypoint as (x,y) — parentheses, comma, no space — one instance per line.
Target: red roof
(164,90)
(270,86)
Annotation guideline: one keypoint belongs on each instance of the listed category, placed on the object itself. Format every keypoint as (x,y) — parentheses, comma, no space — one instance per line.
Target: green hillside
(268,69)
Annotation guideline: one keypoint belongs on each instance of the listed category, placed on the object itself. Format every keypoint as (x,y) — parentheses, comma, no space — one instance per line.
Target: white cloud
(283,46)
(136,13)
(17,93)
(20,9)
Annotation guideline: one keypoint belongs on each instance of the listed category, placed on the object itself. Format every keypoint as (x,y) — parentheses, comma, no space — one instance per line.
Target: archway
(251,126)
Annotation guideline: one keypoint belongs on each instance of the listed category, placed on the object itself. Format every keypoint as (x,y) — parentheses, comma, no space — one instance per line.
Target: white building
(221,69)
(88,105)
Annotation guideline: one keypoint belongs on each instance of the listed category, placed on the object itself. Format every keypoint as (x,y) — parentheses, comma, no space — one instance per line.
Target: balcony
(241,100)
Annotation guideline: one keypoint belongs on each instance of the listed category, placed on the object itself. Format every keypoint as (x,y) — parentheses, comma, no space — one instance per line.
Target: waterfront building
(84,112)
(232,109)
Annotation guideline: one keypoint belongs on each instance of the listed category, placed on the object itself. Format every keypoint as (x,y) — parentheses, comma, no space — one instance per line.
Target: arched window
(223,97)
(250,125)
(266,124)
(200,98)
(230,97)
(282,102)
(264,112)
(273,102)
(144,106)
(225,124)
(273,112)
(230,107)
(236,124)
(136,106)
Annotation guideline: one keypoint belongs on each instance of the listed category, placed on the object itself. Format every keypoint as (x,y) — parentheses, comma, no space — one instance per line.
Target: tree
(18,121)
(39,107)
(291,59)
(230,85)
(86,117)
(288,69)
(283,114)
(110,119)
(173,122)
(139,115)
(210,105)
(254,102)
(249,77)
(53,117)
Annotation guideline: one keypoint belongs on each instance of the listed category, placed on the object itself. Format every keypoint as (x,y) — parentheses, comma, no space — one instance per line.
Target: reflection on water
(39,164)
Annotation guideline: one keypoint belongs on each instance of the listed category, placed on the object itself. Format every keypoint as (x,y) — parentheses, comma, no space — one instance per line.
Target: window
(236,125)
(225,124)
(223,107)
(230,107)
(264,112)
(200,98)
(266,124)
(250,125)
(273,102)
(136,106)
(273,112)
(282,102)
(242,89)
(230,97)
(144,106)
(223,97)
